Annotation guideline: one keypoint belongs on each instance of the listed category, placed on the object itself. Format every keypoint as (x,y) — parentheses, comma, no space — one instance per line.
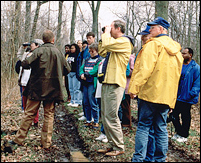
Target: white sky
(105,12)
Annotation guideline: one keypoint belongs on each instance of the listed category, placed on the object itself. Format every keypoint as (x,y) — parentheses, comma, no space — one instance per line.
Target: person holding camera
(24,74)
(22,52)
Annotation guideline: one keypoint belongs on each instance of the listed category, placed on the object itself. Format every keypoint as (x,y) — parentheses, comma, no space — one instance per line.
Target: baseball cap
(145,32)
(37,41)
(160,21)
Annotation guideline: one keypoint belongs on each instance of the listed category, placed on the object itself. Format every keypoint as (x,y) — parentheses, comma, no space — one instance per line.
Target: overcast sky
(107,8)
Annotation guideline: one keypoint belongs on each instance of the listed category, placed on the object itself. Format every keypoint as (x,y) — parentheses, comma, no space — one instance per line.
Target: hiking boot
(114,153)
(95,125)
(86,124)
(105,150)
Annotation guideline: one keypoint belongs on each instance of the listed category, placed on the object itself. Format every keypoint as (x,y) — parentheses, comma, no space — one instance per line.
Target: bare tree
(72,32)
(17,23)
(39,3)
(27,21)
(83,25)
(197,32)
(58,41)
(95,11)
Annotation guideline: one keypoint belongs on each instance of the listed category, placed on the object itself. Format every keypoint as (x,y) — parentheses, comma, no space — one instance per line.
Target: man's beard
(186,60)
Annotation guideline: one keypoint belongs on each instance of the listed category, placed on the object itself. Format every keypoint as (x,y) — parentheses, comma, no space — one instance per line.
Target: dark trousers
(67,87)
(184,109)
(126,117)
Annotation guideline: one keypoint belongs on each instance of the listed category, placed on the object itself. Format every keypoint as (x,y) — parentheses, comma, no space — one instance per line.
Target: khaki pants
(28,117)
(111,96)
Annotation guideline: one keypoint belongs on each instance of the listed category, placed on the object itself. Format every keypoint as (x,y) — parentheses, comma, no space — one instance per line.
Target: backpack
(101,75)
(17,66)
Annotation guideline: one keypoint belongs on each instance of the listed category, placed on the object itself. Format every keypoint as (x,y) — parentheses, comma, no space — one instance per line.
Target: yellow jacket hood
(172,47)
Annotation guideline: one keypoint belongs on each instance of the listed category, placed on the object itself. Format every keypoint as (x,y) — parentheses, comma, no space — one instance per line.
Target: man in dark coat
(48,65)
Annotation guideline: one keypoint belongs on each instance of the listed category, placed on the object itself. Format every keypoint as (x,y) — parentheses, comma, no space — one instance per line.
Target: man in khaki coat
(114,84)
(48,65)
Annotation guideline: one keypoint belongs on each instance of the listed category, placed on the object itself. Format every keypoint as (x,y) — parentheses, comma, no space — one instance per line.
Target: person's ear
(53,40)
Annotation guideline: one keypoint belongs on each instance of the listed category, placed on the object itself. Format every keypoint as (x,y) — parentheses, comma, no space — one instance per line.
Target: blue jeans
(21,98)
(90,103)
(151,114)
(74,88)
(150,146)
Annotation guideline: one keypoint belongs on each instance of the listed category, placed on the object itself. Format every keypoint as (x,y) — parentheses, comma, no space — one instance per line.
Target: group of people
(103,77)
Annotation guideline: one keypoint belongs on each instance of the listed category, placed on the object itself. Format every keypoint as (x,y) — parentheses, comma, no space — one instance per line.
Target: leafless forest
(23,21)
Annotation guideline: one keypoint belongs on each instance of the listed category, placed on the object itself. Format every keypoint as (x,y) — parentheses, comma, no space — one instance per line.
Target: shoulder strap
(131,39)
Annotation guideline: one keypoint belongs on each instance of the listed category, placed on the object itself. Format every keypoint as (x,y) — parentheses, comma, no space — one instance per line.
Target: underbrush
(11,116)
(190,149)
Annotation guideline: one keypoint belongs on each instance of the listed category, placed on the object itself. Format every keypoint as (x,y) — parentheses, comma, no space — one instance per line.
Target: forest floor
(69,135)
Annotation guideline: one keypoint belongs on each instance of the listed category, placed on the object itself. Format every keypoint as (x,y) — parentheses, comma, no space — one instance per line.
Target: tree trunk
(16,36)
(161,9)
(72,31)
(59,25)
(189,4)
(17,24)
(95,18)
(197,58)
(27,21)
(39,3)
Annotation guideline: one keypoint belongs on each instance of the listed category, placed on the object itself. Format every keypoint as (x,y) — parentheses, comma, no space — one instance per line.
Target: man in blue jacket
(188,94)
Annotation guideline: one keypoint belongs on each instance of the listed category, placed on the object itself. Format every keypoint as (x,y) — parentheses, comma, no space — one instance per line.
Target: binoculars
(26,44)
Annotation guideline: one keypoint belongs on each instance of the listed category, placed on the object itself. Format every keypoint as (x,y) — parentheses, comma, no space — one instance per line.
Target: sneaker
(175,137)
(101,137)
(105,140)
(70,104)
(81,114)
(181,139)
(92,119)
(75,105)
(83,118)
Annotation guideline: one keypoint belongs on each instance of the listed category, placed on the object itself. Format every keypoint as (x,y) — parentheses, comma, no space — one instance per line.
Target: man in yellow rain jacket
(120,47)
(155,80)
